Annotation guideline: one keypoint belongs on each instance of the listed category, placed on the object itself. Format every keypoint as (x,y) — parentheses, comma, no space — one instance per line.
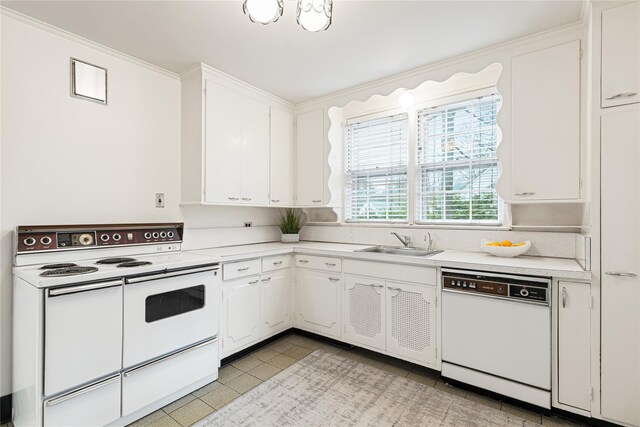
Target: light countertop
(538,266)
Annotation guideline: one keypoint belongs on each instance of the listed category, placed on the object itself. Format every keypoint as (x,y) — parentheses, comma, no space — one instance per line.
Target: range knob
(29,241)
(170,234)
(104,237)
(86,239)
(117,237)
(147,235)
(46,240)
(524,292)
(163,234)
(155,235)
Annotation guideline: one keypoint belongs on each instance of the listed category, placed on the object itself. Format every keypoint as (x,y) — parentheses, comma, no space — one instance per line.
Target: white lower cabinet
(275,297)
(240,322)
(319,302)
(574,345)
(97,404)
(411,322)
(365,311)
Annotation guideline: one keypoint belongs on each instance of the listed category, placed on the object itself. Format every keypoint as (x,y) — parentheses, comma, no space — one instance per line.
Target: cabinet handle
(620,274)
(622,95)
(275,201)
(373,285)
(394,289)
(317,201)
(243,269)
(304,261)
(526,194)
(246,199)
(334,279)
(564,297)
(232,198)
(253,282)
(277,262)
(330,264)
(82,391)
(266,279)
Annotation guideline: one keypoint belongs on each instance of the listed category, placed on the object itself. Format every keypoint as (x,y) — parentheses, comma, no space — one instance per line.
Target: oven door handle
(496,297)
(140,279)
(84,390)
(169,357)
(68,290)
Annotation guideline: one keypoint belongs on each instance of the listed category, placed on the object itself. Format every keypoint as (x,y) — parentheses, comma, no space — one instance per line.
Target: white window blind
(457,166)
(376,160)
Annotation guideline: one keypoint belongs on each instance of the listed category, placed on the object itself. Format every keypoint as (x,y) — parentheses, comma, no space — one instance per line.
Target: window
(376,162)
(457,166)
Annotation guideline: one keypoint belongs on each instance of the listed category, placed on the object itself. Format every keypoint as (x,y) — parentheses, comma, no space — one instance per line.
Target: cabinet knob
(622,95)
(564,297)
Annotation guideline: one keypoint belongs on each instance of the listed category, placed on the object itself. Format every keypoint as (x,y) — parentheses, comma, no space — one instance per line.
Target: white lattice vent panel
(411,321)
(365,310)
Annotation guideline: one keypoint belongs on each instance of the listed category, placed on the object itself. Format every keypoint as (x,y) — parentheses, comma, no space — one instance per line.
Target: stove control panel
(55,238)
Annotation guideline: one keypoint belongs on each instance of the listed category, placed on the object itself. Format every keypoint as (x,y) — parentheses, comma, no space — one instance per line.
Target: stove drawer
(97,404)
(148,383)
(83,334)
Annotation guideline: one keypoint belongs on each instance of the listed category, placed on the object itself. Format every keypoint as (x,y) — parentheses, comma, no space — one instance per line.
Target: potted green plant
(291,221)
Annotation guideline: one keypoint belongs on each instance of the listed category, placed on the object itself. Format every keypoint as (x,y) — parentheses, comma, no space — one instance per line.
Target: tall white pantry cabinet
(616,116)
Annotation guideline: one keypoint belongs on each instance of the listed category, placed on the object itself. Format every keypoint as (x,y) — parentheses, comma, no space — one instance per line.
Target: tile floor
(243,374)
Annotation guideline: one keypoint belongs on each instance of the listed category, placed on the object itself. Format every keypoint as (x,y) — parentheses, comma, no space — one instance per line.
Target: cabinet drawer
(97,404)
(389,271)
(146,384)
(276,263)
(241,269)
(319,263)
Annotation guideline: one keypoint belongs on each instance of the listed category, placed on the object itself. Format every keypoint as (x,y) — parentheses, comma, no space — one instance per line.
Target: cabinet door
(364,311)
(621,55)
(574,345)
(281,188)
(255,153)
(546,124)
(411,322)
(310,158)
(276,302)
(318,302)
(240,324)
(620,310)
(236,147)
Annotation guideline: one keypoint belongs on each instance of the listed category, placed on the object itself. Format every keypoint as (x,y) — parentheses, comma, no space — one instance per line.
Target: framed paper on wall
(88,81)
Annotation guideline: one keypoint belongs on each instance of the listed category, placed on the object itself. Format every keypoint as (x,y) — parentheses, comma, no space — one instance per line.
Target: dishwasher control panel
(534,289)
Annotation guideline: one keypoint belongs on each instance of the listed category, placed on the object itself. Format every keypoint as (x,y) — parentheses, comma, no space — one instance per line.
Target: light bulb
(315,15)
(263,11)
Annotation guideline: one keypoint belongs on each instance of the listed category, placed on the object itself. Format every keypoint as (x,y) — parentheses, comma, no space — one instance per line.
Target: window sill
(414,226)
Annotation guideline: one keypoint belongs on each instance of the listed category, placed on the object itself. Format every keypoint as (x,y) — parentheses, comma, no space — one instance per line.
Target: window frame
(371,115)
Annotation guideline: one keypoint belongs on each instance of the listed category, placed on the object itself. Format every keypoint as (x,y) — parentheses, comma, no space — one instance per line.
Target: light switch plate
(159,200)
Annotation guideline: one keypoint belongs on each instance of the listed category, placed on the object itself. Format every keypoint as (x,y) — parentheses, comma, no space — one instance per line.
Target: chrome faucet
(428,238)
(404,239)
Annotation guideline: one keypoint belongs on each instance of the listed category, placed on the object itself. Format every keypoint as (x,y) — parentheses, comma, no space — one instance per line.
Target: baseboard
(5,409)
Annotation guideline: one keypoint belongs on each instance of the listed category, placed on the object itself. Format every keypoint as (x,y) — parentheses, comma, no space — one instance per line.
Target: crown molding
(10,13)
(497,48)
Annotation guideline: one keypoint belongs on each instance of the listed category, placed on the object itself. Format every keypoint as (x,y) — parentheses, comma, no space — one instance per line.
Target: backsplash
(547,244)
(201,238)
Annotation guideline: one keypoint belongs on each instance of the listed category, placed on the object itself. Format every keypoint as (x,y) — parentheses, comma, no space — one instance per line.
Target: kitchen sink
(398,250)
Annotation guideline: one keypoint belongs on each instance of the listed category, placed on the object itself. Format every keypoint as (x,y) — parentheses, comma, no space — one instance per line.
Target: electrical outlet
(159,200)
(248,223)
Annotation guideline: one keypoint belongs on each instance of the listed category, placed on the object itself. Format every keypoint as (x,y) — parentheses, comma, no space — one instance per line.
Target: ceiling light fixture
(315,15)
(263,11)
(312,15)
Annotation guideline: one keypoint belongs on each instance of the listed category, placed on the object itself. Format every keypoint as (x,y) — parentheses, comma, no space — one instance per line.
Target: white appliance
(496,333)
(110,323)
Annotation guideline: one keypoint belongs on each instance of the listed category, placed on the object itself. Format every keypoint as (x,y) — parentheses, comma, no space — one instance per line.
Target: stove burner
(115,260)
(133,263)
(55,266)
(70,271)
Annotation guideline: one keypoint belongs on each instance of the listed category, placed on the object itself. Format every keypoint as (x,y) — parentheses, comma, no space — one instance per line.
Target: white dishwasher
(496,333)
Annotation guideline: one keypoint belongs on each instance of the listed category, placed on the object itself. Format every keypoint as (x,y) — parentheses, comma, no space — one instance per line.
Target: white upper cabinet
(621,55)
(546,124)
(236,147)
(281,157)
(226,141)
(310,158)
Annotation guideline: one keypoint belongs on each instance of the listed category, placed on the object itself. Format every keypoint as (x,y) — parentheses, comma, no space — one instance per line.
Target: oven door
(167,312)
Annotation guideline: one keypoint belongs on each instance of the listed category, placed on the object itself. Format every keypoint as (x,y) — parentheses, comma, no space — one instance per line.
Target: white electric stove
(111,322)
